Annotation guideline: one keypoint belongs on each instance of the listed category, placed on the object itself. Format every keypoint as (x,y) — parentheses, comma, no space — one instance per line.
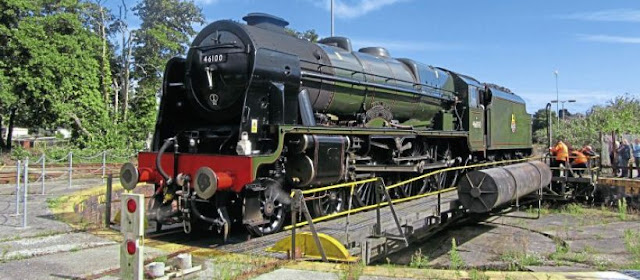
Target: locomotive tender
(253,112)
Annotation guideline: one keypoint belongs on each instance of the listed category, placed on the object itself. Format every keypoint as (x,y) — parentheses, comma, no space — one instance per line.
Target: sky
(594,45)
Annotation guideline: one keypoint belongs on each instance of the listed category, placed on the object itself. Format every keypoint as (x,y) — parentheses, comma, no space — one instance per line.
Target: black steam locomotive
(253,112)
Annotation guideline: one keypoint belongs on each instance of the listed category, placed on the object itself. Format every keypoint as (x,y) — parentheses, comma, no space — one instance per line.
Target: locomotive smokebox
(482,190)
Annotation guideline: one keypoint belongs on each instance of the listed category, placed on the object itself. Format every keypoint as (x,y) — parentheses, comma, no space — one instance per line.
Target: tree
(539,125)
(54,70)
(12,11)
(540,119)
(619,115)
(165,32)
(309,35)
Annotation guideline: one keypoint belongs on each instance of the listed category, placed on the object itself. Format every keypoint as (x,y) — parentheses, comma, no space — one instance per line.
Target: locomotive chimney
(266,21)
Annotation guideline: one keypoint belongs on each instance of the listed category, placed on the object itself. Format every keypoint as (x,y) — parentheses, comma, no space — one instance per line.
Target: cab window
(473,97)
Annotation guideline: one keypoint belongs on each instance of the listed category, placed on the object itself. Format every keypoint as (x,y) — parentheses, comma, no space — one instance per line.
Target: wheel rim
(365,194)
(272,211)
(333,201)
(271,208)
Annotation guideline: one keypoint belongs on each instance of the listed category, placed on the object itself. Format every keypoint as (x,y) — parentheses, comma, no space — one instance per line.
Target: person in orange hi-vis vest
(561,153)
(578,160)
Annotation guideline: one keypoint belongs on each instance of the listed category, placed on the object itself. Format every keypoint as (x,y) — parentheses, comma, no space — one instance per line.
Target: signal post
(132,227)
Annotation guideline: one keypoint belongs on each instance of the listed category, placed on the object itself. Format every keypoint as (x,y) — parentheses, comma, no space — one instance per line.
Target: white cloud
(609,38)
(394,45)
(354,8)
(620,15)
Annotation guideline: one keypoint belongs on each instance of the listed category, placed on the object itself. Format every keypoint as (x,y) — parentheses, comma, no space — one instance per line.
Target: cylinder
(156,269)
(184,261)
(481,191)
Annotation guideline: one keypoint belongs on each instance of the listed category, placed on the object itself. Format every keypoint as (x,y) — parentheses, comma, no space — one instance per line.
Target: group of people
(627,154)
(576,158)
(622,160)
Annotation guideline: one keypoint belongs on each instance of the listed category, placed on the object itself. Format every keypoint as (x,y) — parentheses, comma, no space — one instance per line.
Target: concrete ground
(304,270)
(48,248)
(575,238)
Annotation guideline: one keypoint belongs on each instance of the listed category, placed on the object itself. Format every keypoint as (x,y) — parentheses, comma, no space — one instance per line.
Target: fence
(47,169)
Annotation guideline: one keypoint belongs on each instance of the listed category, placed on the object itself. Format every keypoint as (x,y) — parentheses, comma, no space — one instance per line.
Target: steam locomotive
(253,112)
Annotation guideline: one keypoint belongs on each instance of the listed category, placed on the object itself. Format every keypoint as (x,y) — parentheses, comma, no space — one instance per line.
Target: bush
(19,153)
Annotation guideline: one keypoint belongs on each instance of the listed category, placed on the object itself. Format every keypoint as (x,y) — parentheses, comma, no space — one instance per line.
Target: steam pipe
(197,213)
(166,145)
(306,109)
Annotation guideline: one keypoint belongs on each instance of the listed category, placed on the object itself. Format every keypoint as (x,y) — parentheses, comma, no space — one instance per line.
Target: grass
(455,260)
(475,274)
(544,210)
(518,260)
(588,256)
(55,202)
(353,271)
(161,259)
(226,272)
(632,244)
(622,209)
(573,209)
(561,251)
(418,260)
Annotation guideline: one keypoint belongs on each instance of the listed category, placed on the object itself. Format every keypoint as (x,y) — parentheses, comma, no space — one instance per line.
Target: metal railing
(25,168)
(567,173)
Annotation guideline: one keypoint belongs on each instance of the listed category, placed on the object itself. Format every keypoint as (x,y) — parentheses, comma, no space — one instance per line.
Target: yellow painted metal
(306,246)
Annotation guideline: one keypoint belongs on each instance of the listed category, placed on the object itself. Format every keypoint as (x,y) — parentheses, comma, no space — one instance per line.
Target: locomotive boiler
(253,112)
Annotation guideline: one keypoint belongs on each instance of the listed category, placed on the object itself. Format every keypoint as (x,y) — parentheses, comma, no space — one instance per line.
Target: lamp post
(331,18)
(562,101)
(557,98)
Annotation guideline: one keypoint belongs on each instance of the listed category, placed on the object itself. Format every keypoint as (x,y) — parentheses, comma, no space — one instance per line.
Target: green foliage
(619,115)
(62,64)
(19,153)
(54,70)
(632,244)
(539,125)
(164,33)
(573,209)
(418,260)
(455,260)
(309,35)
(517,260)
(475,274)
(622,209)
